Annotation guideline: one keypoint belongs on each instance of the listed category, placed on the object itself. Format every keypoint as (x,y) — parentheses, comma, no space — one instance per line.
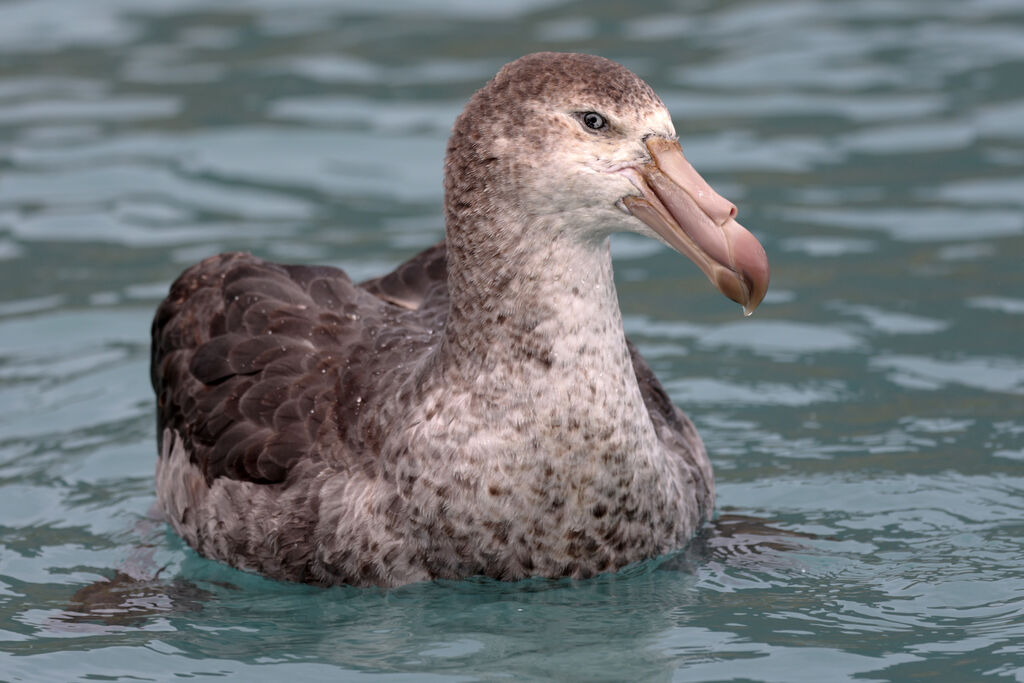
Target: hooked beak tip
(679,205)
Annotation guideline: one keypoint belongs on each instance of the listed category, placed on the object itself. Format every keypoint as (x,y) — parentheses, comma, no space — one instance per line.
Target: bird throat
(535,340)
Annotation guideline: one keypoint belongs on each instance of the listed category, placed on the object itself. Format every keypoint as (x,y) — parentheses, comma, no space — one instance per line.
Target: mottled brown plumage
(476,411)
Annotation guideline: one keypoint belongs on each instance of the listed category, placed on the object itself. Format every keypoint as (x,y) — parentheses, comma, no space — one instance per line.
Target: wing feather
(415,282)
(244,353)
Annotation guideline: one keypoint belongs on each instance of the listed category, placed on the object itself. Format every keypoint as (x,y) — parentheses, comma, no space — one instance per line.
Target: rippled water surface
(866,424)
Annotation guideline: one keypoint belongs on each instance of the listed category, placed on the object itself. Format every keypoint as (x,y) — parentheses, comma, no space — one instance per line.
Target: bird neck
(535,334)
(530,294)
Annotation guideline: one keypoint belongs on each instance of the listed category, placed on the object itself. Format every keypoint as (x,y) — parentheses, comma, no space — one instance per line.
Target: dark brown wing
(251,363)
(674,428)
(418,282)
(659,405)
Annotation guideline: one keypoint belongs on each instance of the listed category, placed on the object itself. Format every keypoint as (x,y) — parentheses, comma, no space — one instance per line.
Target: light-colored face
(602,167)
(579,145)
(578,170)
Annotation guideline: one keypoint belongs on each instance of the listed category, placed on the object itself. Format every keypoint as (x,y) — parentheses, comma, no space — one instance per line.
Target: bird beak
(699,223)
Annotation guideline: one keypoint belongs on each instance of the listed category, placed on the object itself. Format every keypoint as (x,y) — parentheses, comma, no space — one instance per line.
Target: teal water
(866,424)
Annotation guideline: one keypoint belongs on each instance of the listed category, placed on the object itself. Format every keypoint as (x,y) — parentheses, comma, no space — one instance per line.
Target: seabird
(479,410)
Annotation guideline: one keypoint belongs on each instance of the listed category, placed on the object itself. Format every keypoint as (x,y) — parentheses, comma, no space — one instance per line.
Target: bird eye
(593,120)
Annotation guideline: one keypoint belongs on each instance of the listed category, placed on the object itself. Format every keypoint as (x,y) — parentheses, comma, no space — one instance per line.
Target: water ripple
(865,423)
(1004,375)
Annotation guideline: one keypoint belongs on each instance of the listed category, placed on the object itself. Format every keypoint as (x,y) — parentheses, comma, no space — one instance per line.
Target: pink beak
(699,223)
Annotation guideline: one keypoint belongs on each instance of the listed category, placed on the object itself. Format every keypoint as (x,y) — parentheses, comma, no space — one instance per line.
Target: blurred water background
(866,424)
